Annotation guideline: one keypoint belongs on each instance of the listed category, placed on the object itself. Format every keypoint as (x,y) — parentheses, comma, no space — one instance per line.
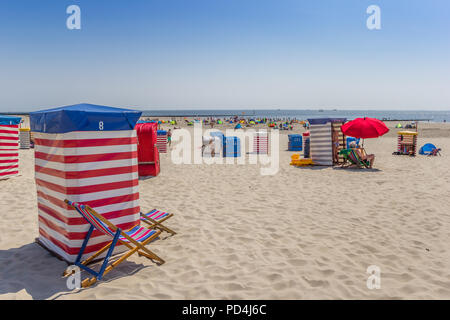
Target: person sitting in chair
(362,154)
(335,146)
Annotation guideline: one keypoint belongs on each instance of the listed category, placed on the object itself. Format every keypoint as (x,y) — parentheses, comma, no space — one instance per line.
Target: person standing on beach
(169,137)
(335,146)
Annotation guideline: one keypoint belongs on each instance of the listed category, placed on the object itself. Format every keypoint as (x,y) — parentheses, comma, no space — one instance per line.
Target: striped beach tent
(261,142)
(321,148)
(24,138)
(84,153)
(407,142)
(9,146)
(341,139)
(161,141)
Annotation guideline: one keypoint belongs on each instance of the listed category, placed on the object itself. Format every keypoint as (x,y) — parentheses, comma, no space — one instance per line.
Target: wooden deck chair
(155,218)
(435,152)
(352,158)
(135,239)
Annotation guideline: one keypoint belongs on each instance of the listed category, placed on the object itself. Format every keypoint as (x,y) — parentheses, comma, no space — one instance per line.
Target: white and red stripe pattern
(137,233)
(9,151)
(95,168)
(161,142)
(261,143)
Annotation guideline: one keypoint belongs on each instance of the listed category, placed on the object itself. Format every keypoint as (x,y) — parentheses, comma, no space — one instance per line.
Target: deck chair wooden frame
(119,236)
(157,223)
(359,163)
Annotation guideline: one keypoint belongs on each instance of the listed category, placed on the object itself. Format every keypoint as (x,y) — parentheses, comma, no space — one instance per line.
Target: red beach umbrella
(364,128)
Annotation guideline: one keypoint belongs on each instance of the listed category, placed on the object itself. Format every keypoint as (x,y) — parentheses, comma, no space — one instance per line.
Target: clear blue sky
(225,54)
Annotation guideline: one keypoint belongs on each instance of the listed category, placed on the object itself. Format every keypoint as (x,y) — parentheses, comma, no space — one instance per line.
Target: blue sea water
(433,116)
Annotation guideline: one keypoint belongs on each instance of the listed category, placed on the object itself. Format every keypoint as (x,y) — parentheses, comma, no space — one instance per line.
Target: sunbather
(362,154)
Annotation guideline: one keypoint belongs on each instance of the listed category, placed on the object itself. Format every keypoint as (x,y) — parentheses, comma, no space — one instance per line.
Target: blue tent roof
(83,117)
(9,120)
(146,121)
(326,120)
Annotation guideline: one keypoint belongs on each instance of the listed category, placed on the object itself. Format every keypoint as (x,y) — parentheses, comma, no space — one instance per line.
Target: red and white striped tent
(161,141)
(261,142)
(9,146)
(87,154)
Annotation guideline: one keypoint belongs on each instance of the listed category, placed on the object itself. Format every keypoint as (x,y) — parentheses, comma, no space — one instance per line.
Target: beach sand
(303,233)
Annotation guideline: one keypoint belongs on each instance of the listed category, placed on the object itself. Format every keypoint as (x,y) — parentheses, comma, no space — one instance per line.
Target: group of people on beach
(369,158)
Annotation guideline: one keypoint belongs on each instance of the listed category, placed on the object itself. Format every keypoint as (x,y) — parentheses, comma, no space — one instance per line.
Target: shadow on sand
(353,169)
(34,269)
(146,178)
(311,167)
(356,169)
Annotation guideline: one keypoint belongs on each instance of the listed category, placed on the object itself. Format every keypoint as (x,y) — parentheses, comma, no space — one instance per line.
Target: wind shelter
(84,153)
(295,142)
(407,143)
(161,141)
(261,142)
(148,155)
(232,147)
(325,135)
(9,146)
(24,138)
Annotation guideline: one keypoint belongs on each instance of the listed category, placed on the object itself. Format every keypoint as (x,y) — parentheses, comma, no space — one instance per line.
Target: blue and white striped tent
(321,148)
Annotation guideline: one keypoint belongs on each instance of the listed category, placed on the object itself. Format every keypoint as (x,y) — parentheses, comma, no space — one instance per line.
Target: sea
(386,115)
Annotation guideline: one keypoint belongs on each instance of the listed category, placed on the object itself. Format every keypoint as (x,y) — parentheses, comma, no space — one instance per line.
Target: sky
(219,54)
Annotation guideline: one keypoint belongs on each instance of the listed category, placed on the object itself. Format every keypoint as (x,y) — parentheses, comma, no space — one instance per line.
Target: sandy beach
(303,233)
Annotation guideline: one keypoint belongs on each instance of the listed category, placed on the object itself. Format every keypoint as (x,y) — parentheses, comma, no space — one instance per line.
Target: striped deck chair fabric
(137,233)
(353,158)
(155,218)
(435,152)
(135,239)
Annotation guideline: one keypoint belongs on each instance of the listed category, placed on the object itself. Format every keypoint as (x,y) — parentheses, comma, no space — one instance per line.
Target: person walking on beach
(169,137)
